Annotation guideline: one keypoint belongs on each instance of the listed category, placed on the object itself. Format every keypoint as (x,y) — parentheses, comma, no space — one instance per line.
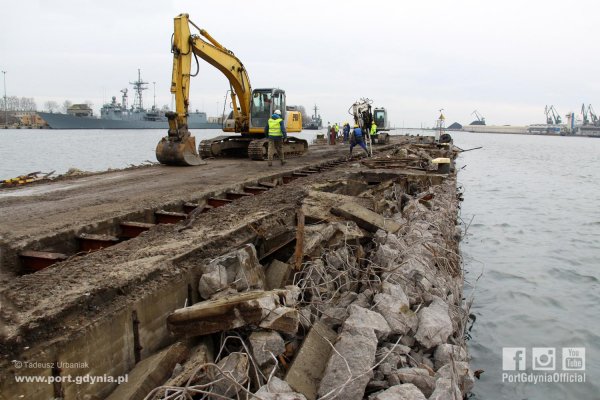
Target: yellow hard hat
(356,125)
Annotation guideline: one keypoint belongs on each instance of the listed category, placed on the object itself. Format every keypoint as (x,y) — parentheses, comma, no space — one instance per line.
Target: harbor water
(31,150)
(531,253)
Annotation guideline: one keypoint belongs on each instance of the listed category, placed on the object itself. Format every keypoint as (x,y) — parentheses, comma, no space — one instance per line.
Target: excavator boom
(179,147)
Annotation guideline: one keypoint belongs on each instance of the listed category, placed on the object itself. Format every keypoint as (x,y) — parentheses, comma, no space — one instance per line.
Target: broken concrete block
(281,396)
(265,346)
(199,354)
(390,356)
(395,291)
(387,257)
(397,313)
(276,389)
(282,319)
(345,299)
(309,364)
(213,282)
(380,236)
(366,218)
(242,268)
(445,389)
(364,298)
(419,377)
(406,391)
(461,373)
(275,385)
(340,259)
(362,318)
(445,352)
(235,368)
(317,237)
(277,274)
(232,312)
(321,236)
(292,295)
(435,325)
(306,318)
(150,373)
(348,370)
(333,317)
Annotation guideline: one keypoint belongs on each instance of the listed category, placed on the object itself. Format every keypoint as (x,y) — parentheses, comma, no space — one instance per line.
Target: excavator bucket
(172,152)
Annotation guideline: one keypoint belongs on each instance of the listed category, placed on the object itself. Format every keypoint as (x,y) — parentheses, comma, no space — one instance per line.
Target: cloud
(504,59)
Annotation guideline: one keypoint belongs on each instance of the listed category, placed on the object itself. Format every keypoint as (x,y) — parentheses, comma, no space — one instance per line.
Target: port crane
(251,108)
(584,115)
(480,119)
(552,116)
(593,118)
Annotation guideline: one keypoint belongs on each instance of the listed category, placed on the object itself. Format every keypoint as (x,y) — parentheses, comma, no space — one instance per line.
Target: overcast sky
(507,59)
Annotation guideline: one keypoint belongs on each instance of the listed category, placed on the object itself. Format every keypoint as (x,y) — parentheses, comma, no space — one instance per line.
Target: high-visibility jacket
(275,127)
(373,129)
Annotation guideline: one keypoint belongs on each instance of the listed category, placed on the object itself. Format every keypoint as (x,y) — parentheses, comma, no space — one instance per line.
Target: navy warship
(116,115)
(315,122)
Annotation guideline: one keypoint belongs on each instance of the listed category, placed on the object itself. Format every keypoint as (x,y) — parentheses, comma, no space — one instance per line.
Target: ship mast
(138,87)
(124,98)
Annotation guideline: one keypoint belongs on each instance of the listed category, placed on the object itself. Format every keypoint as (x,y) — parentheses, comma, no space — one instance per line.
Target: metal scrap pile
(370,306)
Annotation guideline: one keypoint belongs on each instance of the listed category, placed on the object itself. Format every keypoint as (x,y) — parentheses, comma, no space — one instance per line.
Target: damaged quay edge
(363,299)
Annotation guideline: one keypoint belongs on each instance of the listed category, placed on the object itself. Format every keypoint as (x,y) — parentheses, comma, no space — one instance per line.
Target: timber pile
(368,306)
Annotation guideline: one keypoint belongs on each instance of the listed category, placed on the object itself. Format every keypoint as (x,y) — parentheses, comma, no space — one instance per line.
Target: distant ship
(115,115)
(588,130)
(315,123)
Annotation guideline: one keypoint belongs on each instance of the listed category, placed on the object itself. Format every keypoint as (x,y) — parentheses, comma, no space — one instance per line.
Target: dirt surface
(36,211)
(37,217)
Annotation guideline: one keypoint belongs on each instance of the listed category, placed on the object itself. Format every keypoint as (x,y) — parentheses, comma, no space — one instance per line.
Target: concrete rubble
(375,310)
(239,269)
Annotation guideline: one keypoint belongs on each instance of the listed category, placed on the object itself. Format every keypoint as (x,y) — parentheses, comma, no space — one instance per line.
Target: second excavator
(251,108)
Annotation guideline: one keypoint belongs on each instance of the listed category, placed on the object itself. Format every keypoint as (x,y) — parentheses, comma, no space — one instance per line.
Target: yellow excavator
(251,108)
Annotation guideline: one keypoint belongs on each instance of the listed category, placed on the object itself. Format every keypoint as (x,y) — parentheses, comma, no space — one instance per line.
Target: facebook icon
(513,358)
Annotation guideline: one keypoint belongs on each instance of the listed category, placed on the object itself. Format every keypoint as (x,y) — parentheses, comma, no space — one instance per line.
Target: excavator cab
(264,103)
(380,118)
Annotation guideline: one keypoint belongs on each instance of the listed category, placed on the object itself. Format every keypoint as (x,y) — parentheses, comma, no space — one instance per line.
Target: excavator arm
(179,148)
(211,51)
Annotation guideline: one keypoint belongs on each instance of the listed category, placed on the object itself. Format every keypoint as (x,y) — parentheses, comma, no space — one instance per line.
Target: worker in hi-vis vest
(275,132)
(373,129)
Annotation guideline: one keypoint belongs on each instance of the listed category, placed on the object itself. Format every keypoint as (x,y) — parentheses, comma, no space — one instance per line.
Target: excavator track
(222,146)
(258,148)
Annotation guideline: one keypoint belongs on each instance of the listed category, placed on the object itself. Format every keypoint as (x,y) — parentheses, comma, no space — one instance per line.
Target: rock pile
(375,311)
